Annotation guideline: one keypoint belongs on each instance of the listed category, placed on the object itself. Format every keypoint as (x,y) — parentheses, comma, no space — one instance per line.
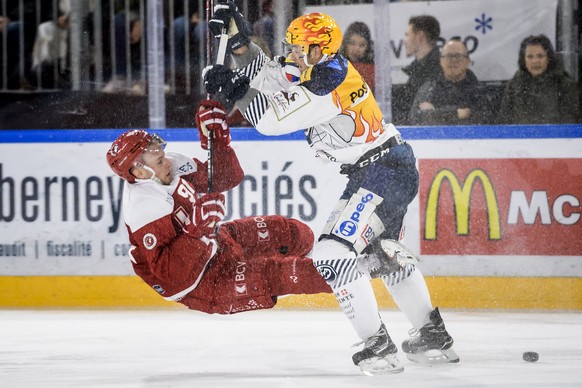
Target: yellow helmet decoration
(315,28)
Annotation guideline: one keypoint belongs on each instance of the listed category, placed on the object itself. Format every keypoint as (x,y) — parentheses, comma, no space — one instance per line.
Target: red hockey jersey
(164,255)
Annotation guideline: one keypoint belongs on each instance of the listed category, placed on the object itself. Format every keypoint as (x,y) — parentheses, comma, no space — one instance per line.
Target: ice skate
(378,264)
(432,344)
(379,355)
(397,251)
(391,258)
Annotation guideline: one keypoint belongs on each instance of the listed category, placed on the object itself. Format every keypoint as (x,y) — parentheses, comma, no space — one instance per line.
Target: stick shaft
(210,163)
(220,57)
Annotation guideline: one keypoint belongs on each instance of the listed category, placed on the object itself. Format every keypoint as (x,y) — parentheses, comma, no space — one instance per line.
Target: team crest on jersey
(150,241)
(186,167)
(287,102)
(327,272)
(114,150)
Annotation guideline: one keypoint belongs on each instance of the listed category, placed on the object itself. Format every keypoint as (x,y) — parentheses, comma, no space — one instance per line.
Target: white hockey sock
(358,302)
(410,293)
(338,266)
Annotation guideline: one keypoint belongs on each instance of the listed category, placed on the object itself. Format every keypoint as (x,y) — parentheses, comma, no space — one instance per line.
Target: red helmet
(125,150)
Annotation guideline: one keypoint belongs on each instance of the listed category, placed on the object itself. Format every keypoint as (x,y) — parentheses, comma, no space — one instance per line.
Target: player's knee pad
(338,272)
(398,276)
(355,221)
(301,238)
(335,262)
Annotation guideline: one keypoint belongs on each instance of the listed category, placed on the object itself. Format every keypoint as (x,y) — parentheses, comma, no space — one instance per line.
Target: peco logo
(462,199)
(349,227)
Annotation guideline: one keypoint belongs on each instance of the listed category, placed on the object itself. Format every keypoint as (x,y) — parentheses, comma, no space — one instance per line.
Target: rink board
(496,222)
(453,292)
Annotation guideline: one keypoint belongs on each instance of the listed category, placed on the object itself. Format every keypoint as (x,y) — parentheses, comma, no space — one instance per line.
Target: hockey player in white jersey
(329,100)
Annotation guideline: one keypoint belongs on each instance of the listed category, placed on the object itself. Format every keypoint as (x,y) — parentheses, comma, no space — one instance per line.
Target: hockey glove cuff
(208,211)
(230,83)
(211,121)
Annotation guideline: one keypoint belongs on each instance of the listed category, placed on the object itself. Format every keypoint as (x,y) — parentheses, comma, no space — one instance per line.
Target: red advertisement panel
(501,206)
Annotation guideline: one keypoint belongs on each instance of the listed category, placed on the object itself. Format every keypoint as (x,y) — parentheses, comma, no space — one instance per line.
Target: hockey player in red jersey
(178,248)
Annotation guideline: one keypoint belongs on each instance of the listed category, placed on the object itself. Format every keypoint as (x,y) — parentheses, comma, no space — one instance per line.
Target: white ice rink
(275,348)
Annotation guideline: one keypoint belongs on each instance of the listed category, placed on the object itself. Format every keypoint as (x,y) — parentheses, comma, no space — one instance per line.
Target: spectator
(451,98)
(540,92)
(421,42)
(182,26)
(191,30)
(264,28)
(136,27)
(193,23)
(50,51)
(122,78)
(18,67)
(358,47)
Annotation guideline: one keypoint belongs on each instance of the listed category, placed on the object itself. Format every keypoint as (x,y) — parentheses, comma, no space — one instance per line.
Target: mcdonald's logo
(461,199)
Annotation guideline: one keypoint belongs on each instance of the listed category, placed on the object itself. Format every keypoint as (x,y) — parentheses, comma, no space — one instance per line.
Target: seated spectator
(50,51)
(451,98)
(20,33)
(186,30)
(191,26)
(540,92)
(182,29)
(118,41)
(264,28)
(358,47)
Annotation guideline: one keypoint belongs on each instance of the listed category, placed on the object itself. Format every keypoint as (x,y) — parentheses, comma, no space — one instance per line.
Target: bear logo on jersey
(149,241)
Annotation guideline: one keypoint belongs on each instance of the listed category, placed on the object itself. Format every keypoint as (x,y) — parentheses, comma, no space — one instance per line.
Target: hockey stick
(220,56)
(210,164)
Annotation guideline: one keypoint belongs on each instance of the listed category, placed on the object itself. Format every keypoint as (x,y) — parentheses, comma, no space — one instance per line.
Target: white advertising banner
(60,204)
(491,29)
(60,208)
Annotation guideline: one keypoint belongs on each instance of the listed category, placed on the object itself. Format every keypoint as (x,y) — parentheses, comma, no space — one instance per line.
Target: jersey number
(184,190)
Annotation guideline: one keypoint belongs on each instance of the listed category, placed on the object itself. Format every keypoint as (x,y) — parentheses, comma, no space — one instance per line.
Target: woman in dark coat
(540,92)
(358,47)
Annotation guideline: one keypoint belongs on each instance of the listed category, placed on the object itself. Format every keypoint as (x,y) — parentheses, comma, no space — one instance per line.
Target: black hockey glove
(230,83)
(226,15)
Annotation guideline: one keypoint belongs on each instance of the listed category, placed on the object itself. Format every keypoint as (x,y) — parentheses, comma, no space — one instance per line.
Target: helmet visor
(157,143)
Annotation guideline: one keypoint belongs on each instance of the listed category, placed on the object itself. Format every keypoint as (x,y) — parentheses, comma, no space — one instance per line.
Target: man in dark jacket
(421,42)
(453,97)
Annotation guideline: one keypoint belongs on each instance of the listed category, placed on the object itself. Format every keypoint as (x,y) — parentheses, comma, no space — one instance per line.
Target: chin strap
(153,177)
(323,58)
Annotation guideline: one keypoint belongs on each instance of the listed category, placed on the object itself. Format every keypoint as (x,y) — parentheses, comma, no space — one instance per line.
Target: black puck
(531,356)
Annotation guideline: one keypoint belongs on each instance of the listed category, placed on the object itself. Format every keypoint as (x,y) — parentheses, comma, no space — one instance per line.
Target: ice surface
(276,348)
